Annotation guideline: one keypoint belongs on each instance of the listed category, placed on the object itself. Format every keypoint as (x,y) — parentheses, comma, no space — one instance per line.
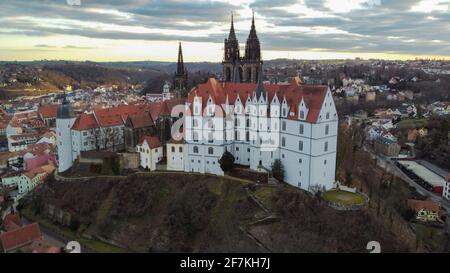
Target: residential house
(426,210)
(21,142)
(387,146)
(446,191)
(48,114)
(30,179)
(175,155)
(150,152)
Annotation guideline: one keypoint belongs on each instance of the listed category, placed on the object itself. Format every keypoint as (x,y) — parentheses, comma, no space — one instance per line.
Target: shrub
(278,170)
(226,161)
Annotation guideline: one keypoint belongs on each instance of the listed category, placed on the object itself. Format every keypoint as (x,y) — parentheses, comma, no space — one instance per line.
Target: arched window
(302,114)
(195,149)
(173,149)
(180,149)
(210,150)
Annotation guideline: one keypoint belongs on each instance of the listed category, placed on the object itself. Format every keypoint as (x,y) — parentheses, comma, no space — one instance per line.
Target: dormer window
(302,114)
(284,112)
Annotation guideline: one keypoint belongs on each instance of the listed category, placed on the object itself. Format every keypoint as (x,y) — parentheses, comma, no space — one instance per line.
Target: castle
(258,123)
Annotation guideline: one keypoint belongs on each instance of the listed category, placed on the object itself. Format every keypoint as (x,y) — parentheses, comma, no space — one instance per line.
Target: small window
(282,156)
(326,146)
(283,141)
(300,160)
(195,149)
(283,125)
(300,145)
(210,150)
(301,129)
(302,114)
(328,115)
(325,162)
(180,149)
(327,129)
(173,149)
(237,148)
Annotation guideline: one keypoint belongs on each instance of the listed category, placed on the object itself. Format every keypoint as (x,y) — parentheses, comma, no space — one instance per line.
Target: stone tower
(245,69)
(252,60)
(65,118)
(231,56)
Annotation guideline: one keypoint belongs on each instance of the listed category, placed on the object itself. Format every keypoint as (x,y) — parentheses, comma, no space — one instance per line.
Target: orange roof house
(20,237)
(152,141)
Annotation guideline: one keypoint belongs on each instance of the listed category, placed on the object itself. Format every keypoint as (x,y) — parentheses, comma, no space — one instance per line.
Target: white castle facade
(259,123)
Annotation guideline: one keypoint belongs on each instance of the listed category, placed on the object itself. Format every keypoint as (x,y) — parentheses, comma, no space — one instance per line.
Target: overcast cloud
(410,27)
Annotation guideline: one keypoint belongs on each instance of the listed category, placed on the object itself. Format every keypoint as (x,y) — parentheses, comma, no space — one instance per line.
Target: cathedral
(242,69)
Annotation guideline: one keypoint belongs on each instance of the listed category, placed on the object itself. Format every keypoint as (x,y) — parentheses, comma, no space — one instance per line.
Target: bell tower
(252,59)
(231,56)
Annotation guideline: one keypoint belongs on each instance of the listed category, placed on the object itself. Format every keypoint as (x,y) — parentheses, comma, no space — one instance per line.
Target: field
(344,198)
(411,123)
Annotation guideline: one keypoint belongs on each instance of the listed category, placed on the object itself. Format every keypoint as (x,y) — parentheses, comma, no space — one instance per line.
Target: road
(387,164)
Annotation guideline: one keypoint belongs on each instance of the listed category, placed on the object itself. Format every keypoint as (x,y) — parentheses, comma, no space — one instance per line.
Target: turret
(65,117)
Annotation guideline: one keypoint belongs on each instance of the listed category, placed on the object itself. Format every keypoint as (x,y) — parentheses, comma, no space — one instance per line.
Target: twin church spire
(246,68)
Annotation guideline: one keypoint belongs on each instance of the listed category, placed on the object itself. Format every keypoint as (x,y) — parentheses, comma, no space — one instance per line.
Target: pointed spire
(180,64)
(252,34)
(232,35)
(260,86)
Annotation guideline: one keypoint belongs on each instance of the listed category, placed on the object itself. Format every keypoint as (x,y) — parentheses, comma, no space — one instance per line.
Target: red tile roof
(115,116)
(427,205)
(313,95)
(12,222)
(85,122)
(19,237)
(141,120)
(152,141)
(48,111)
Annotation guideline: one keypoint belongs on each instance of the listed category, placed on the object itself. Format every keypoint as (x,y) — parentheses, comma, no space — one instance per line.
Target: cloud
(370,26)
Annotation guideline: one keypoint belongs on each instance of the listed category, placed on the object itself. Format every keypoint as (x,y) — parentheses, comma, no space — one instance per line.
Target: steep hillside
(194,213)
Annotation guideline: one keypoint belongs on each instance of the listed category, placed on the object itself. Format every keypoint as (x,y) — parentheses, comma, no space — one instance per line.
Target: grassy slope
(179,212)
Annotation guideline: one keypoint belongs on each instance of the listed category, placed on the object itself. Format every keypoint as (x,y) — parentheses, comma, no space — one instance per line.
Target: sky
(143,30)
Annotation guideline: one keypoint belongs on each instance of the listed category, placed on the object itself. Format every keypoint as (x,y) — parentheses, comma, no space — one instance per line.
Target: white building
(102,129)
(446,191)
(150,152)
(175,155)
(65,118)
(259,123)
